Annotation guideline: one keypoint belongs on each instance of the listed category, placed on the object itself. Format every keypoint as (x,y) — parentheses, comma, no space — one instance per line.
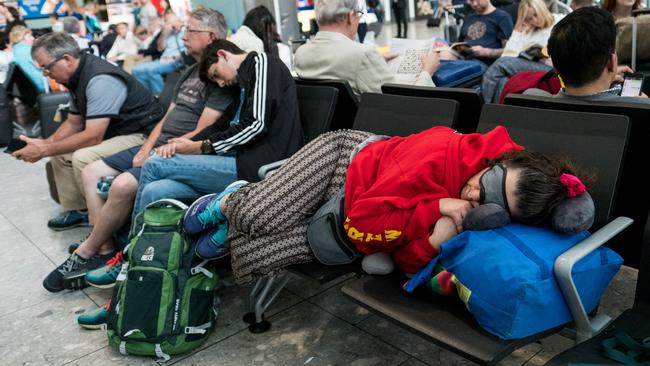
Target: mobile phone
(632,85)
(15,145)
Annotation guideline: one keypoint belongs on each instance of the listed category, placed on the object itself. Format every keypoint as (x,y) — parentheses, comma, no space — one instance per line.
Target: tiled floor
(311,325)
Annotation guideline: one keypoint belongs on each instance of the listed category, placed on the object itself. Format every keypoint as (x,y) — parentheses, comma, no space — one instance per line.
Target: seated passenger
(532,29)
(404,195)
(21,40)
(70,8)
(170,42)
(125,44)
(195,106)
(582,47)
(486,30)
(72,26)
(621,8)
(333,53)
(259,33)
(109,112)
(265,128)
(12,17)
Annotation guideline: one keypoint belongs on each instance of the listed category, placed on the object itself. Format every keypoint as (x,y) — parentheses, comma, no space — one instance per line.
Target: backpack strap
(162,356)
(201,268)
(199,329)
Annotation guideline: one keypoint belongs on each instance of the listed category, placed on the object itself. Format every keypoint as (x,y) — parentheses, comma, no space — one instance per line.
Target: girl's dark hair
(539,189)
(210,57)
(261,22)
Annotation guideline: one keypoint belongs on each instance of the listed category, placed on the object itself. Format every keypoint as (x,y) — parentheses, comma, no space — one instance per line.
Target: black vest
(140,111)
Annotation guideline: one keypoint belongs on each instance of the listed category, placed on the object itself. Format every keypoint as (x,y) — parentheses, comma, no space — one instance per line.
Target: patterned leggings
(268,219)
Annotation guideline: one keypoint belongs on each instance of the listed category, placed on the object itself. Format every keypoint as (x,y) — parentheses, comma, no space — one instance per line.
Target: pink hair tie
(574,186)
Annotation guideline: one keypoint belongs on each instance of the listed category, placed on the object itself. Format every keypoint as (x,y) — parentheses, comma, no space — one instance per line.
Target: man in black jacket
(109,112)
(265,128)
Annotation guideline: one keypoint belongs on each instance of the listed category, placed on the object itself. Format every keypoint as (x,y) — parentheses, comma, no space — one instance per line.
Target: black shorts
(123,161)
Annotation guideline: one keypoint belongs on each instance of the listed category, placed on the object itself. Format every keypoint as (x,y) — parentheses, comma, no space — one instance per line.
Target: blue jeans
(150,74)
(183,177)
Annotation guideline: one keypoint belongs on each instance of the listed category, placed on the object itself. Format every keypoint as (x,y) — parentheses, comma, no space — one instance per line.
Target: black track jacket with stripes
(269,124)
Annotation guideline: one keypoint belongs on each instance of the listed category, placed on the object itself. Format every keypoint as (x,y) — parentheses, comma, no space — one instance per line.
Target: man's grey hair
(334,11)
(71,25)
(211,20)
(56,44)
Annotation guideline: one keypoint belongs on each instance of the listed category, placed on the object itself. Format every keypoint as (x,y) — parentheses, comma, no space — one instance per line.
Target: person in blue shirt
(170,43)
(21,39)
(486,30)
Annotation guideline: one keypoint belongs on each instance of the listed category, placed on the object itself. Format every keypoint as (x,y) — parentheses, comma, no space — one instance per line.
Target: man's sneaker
(68,220)
(76,280)
(206,211)
(212,245)
(73,247)
(96,319)
(104,277)
(58,280)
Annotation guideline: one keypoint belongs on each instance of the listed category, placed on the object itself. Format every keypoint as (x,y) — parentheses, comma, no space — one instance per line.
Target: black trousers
(399,13)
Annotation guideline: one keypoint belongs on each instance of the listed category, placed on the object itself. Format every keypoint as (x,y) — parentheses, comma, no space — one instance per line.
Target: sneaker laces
(71,264)
(212,213)
(117,260)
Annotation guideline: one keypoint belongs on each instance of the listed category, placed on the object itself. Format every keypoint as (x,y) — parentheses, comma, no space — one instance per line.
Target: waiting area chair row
(600,142)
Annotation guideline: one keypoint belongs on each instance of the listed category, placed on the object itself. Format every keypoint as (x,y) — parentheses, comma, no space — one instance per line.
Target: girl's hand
(457,209)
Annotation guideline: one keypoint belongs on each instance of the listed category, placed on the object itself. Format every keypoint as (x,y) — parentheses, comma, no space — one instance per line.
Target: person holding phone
(582,47)
(170,43)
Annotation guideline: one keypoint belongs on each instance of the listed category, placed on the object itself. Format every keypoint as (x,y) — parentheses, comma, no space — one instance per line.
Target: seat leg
(260,298)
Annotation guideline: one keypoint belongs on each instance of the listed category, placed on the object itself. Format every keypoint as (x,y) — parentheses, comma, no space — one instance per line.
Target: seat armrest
(585,328)
(266,169)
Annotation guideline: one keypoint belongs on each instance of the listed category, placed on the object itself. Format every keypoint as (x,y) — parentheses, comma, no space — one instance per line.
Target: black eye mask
(493,186)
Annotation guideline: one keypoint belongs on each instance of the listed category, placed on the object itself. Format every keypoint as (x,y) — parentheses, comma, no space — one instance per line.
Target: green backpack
(163,302)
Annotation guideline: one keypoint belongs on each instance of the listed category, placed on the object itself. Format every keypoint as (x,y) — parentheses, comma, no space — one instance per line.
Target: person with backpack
(196,105)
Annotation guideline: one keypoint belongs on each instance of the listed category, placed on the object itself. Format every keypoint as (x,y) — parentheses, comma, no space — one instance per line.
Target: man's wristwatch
(206,147)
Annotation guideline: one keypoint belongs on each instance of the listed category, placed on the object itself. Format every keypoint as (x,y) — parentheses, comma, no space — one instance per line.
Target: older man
(333,53)
(110,112)
(72,26)
(196,105)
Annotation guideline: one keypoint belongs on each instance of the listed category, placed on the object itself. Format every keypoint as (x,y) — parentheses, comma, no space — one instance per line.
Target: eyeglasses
(360,13)
(46,68)
(188,30)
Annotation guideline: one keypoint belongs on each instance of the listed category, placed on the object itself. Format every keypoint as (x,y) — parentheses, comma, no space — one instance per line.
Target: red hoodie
(393,188)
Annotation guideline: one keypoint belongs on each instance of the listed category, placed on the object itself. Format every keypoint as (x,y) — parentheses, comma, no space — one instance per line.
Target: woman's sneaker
(206,211)
(104,277)
(96,319)
(212,245)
